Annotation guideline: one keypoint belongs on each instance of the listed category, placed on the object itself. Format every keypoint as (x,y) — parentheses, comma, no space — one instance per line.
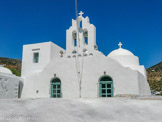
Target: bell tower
(81,35)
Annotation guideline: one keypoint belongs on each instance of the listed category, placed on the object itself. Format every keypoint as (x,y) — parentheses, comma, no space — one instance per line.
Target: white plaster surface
(127,59)
(125,80)
(9,86)
(47,51)
(119,52)
(80,110)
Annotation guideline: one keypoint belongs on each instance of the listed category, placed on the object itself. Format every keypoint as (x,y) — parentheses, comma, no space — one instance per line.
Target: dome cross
(120,45)
(81,13)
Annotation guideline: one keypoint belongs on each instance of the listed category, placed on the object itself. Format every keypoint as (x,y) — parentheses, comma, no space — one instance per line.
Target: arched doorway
(105,86)
(56,88)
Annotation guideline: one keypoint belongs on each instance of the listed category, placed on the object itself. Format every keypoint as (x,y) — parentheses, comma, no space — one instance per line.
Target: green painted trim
(56,84)
(105,88)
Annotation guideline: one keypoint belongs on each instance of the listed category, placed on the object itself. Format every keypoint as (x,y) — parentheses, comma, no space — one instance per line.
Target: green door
(56,88)
(105,87)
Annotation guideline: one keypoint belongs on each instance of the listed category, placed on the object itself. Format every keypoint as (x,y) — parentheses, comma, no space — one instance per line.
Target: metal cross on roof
(120,45)
(81,13)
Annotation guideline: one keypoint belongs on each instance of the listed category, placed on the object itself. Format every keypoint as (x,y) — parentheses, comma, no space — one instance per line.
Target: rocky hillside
(154,75)
(13,64)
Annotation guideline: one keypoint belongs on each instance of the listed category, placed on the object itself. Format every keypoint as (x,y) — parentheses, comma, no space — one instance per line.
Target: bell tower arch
(81,35)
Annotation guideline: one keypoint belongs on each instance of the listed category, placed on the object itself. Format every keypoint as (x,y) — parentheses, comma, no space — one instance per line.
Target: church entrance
(56,88)
(105,86)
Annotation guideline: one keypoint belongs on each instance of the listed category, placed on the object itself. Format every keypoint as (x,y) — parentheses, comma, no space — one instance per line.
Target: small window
(85,55)
(74,51)
(90,54)
(36,57)
(79,55)
(69,56)
(74,56)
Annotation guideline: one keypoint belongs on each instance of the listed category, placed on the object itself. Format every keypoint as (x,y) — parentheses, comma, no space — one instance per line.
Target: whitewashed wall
(125,80)
(9,86)
(47,51)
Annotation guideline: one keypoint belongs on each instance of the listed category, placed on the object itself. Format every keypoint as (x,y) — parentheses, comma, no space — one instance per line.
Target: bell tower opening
(81,33)
(74,38)
(81,24)
(85,34)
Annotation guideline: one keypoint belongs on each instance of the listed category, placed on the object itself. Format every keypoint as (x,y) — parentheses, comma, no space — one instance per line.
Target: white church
(81,70)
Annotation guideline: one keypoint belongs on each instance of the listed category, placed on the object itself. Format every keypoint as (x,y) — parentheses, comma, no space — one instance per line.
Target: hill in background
(154,77)
(13,64)
(154,73)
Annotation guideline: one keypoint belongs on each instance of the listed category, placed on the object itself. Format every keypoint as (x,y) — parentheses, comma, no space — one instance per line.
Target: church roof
(120,51)
(5,70)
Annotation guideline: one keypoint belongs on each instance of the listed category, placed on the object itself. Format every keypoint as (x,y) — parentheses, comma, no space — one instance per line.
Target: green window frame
(56,88)
(105,87)
(36,57)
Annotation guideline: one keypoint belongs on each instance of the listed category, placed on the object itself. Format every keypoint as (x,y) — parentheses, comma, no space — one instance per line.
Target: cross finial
(120,45)
(81,13)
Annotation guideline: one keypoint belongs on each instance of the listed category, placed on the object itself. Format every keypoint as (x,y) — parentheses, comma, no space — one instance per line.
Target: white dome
(124,57)
(5,70)
(120,52)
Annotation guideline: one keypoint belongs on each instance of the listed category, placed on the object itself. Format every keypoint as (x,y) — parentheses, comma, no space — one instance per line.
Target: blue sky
(136,23)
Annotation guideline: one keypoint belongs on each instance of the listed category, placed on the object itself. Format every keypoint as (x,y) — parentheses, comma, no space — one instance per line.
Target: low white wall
(9,86)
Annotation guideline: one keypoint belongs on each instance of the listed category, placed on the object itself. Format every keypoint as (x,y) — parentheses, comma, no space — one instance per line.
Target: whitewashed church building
(81,70)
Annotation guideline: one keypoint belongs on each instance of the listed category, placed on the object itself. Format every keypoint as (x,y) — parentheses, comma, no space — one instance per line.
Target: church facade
(81,70)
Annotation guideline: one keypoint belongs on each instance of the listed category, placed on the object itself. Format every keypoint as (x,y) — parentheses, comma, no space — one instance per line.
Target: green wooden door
(56,88)
(106,89)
